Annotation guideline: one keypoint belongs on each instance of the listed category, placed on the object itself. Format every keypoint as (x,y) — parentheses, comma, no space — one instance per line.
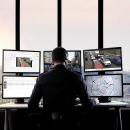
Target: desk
(117,105)
(6,107)
(126,109)
(113,104)
(10,106)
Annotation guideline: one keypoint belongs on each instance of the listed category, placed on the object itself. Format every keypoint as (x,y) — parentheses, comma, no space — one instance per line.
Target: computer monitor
(108,85)
(73,61)
(23,61)
(106,59)
(15,87)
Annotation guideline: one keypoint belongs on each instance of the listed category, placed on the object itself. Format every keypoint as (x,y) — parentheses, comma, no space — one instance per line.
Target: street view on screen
(73,61)
(102,59)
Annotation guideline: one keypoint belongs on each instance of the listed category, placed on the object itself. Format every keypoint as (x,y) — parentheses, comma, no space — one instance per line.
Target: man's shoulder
(44,74)
(76,74)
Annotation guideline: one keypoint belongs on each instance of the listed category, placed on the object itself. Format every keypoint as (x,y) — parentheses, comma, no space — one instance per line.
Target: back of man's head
(59,54)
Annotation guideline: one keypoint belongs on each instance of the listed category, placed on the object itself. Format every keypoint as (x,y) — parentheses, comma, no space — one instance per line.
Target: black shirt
(59,88)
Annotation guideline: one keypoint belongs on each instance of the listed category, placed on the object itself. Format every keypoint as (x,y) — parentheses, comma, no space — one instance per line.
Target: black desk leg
(118,119)
(7,120)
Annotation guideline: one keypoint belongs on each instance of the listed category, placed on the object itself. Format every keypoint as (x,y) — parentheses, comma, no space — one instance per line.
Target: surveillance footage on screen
(73,61)
(102,59)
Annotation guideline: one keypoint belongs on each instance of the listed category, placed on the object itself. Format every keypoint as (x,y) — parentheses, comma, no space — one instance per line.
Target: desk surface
(13,105)
(113,103)
(25,105)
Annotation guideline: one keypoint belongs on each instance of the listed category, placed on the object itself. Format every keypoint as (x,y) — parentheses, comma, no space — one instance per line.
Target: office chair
(54,120)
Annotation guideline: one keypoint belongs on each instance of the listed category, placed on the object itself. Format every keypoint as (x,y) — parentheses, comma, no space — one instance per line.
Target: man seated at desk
(59,88)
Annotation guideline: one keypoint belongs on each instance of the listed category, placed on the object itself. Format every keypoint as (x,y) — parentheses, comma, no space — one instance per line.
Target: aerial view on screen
(103,59)
(104,85)
(73,61)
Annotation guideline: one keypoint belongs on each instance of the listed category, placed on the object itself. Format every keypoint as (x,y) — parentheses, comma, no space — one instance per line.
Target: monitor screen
(73,61)
(105,59)
(17,86)
(21,61)
(109,85)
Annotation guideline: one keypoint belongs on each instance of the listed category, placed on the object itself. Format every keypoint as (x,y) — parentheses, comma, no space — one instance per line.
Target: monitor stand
(104,99)
(19,101)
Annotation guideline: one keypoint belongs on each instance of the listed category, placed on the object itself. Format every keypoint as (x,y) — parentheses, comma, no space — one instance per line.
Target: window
(38,24)
(80,24)
(117,29)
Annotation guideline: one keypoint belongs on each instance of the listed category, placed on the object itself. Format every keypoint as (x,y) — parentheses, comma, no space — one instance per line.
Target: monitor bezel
(67,51)
(101,70)
(106,75)
(12,96)
(3,71)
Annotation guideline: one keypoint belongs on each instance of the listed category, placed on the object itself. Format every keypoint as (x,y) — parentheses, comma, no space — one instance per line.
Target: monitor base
(20,100)
(104,99)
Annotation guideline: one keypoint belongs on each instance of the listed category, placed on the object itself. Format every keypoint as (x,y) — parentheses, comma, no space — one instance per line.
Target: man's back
(59,89)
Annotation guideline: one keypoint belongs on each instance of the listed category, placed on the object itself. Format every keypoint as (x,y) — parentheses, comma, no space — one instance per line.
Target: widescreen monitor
(14,87)
(73,61)
(108,85)
(106,59)
(24,61)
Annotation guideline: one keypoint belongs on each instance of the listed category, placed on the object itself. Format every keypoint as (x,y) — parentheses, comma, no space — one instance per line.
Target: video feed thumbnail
(73,61)
(47,58)
(23,62)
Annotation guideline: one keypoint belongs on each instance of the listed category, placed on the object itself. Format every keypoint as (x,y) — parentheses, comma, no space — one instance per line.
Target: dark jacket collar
(59,66)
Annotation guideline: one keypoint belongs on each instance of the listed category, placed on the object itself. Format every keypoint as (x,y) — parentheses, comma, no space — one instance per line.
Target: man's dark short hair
(59,54)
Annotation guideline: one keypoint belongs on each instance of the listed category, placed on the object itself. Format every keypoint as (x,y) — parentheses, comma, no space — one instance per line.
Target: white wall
(80,24)
(38,25)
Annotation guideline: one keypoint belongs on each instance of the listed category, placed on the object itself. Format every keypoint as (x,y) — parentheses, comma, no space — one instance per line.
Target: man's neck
(58,63)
